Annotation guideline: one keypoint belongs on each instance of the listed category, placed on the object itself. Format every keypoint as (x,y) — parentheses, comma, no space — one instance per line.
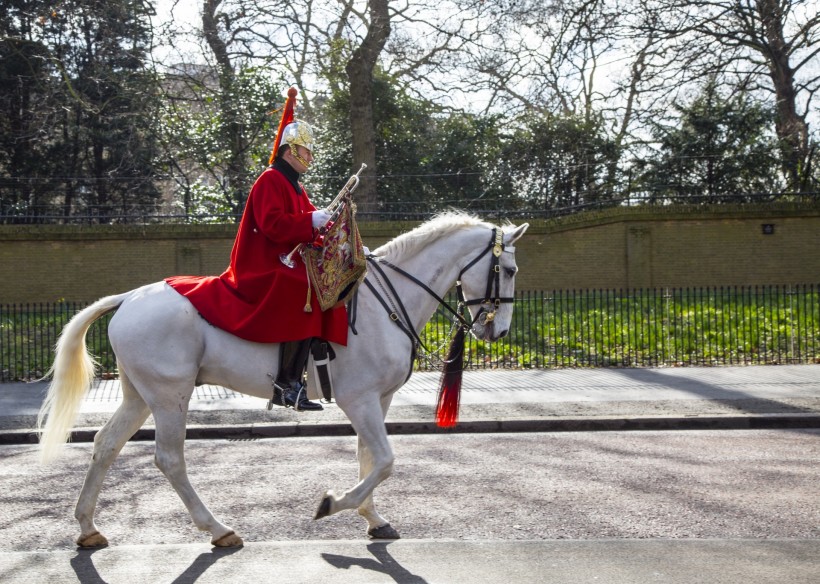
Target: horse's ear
(511,238)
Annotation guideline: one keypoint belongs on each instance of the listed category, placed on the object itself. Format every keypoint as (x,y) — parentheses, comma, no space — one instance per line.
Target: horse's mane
(437,227)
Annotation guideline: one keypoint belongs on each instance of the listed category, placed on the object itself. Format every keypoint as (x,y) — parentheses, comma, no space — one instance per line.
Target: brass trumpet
(334,208)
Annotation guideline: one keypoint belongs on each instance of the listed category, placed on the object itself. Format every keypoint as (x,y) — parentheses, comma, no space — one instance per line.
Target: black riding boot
(289,390)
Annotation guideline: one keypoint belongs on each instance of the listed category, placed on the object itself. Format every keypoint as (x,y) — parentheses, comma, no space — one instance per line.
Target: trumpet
(335,208)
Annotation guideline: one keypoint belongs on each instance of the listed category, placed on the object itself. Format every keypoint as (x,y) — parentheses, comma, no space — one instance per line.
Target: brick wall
(644,247)
(83,263)
(616,248)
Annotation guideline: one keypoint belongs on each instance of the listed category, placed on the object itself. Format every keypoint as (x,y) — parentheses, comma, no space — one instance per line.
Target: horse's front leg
(375,455)
(378,526)
(170,459)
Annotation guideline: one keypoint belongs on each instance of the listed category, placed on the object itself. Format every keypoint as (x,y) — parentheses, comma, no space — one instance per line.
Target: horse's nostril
(503,333)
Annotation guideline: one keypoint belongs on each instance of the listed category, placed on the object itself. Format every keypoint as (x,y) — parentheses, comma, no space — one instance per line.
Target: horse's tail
(71,373)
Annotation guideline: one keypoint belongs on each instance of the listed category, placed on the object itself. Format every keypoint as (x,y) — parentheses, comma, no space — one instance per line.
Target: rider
(258,297)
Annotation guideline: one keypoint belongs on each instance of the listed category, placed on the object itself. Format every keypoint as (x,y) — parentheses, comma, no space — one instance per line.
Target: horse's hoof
(94,540)
(324,508)
(230,539)
(383,532)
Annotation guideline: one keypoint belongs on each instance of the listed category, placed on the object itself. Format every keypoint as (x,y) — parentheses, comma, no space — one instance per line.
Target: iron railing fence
(732,325)
(552,329)
(400,210)
(29,332)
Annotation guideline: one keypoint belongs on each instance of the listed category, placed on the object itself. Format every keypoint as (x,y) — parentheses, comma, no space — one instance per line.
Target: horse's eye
(510,272)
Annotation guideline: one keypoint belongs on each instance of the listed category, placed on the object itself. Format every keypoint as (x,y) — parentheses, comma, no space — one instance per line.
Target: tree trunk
(791,128)
(231,131)
(362,124)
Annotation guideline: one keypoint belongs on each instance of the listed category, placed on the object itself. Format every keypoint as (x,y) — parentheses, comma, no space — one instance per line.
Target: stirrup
(301,400)
(282,395)
(278,392)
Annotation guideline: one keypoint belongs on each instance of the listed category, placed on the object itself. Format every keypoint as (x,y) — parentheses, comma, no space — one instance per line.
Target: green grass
(606,328)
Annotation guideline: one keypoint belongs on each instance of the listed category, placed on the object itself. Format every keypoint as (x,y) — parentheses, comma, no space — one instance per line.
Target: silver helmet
(298,133)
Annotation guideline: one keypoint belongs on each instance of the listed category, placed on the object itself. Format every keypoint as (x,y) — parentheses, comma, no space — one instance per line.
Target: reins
(450,388)
(493,283)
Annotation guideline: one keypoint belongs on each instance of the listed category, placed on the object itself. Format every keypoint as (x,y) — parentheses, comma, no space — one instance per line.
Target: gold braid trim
(308,307)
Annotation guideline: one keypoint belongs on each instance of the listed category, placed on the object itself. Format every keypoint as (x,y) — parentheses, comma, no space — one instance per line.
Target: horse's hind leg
(170,459)
(108,442)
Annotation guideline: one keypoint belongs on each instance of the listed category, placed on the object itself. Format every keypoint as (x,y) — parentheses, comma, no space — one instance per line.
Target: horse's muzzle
(484,326)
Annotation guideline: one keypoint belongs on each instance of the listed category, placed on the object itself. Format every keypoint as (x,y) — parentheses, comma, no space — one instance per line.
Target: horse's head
(488,285)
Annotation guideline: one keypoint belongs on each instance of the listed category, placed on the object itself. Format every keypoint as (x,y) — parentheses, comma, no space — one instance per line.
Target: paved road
(672,506)
(479,506)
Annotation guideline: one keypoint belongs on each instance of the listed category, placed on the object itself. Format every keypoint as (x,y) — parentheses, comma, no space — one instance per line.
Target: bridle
(490,303)
(449,391)
(492,296)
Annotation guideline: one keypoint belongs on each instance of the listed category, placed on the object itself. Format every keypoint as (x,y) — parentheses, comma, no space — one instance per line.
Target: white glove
(366,250)
(319,218)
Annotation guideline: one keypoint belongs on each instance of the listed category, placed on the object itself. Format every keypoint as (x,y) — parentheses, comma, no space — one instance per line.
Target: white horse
(164,349)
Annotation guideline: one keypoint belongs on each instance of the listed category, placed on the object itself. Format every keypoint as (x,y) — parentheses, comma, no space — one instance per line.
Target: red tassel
(287,117)
(449,391)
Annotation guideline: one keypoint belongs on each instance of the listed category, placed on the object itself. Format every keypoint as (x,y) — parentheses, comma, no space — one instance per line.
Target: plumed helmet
(291,131)
(298,133)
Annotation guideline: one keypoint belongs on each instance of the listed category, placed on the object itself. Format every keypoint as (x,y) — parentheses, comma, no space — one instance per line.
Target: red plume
(287,117)
(449,391)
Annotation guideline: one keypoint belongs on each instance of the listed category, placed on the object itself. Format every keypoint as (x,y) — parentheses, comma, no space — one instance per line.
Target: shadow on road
(87,573)
(741,400)
(201,564)
(384,563)
(83,566)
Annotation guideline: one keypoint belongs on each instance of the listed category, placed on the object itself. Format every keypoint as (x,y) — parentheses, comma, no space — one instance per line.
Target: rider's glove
(319,218)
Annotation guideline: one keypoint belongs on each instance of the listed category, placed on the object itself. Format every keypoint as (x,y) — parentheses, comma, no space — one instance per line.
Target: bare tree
(314,44)
(326,46)
(360,75)
(231,130)
(769,46)
(571,58)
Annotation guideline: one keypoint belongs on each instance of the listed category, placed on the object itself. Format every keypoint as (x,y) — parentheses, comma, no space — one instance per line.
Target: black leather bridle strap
(422,285)
(493,277)
(496,246)
(415,340)
(408,330)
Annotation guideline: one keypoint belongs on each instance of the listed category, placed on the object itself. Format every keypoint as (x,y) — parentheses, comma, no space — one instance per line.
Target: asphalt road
(695,484)
(709,498)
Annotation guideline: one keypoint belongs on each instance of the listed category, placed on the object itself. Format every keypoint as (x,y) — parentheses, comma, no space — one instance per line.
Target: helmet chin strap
(298,157)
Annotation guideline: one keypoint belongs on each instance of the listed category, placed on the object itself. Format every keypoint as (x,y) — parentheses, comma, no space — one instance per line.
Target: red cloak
(258,298)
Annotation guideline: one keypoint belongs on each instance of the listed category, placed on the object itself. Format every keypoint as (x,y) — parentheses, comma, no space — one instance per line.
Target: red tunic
(258,298)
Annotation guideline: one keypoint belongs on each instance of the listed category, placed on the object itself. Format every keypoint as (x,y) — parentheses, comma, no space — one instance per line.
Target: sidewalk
(731,561)
(785,396)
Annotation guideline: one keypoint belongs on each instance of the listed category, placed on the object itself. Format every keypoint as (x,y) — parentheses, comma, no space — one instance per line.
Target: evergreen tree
(25,89)
(558,161)
(92,136)
(718,149)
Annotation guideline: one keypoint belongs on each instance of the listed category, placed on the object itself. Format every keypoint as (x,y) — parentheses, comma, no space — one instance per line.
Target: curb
(589,424)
